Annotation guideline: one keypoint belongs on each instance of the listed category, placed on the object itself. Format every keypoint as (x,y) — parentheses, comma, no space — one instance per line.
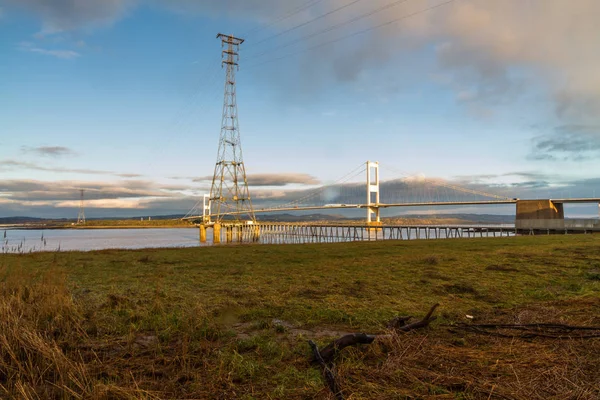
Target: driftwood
(528,331)
(325,356)
(397,324)
(401,321)
(328,373)
(329,352)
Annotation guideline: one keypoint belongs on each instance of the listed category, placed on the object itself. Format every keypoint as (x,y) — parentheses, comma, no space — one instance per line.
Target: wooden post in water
(256,231)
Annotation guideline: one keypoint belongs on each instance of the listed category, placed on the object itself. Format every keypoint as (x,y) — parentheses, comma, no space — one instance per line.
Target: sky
(124,98)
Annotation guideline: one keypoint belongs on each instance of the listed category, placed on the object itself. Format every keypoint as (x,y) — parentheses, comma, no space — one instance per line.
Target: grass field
(233,322)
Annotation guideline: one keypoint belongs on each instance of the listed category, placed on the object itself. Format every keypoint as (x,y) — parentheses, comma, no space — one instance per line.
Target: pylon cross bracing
(229,191)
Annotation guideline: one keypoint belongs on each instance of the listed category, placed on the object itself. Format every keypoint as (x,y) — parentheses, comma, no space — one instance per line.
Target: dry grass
(446,364)
(41,330)
(232,322)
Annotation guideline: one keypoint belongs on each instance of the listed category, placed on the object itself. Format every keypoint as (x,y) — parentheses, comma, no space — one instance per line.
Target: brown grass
(449,365)
(41,330)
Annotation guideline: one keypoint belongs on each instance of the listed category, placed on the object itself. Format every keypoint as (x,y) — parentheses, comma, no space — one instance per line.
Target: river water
(34,240)
(25,241)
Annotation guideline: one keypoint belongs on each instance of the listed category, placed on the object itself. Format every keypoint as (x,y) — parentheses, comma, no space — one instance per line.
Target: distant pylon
(229,190)
(81,215)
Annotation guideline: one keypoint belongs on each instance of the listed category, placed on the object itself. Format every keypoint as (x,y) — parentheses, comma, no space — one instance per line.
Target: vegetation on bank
(233,322)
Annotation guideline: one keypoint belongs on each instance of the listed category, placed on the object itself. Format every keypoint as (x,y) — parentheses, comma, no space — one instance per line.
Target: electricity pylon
(81,215)
(229,194)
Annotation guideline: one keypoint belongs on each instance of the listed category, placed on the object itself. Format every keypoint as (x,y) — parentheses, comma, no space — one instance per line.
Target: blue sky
(124,97)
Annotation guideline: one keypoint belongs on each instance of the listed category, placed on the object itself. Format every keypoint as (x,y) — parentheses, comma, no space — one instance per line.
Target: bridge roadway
(362,206)
(420,204)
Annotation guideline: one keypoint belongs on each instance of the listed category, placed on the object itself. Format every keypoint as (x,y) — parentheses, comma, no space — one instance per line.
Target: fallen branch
(328,373)
(326,355)
(550,331)
(397,324)
(415,325)
(330,351)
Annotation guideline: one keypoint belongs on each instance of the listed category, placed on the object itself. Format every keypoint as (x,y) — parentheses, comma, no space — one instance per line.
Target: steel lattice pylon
(81,215)
(229,191)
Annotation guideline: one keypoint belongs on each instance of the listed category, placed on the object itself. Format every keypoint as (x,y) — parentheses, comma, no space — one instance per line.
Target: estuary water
(33,240)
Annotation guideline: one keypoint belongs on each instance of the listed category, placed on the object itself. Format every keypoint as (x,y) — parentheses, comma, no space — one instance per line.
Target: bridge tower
(373,193)
(229,190)
(81,215)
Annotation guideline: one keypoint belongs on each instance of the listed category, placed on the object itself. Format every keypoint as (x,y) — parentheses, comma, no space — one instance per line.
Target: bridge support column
(373,193)
(202,233)
(256,233)
(216,233)
(539,215)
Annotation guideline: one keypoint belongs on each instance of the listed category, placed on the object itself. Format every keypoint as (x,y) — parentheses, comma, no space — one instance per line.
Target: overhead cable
(361,32)
(331,28)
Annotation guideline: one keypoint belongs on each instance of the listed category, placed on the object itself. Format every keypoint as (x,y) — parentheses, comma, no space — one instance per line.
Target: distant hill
(35,220)
(412,218)
(472,218)
(21,220)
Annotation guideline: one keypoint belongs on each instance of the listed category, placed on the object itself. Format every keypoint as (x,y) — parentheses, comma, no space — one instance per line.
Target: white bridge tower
(373,193)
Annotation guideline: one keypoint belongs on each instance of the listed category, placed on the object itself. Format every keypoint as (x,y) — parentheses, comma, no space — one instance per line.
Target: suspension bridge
(371,195)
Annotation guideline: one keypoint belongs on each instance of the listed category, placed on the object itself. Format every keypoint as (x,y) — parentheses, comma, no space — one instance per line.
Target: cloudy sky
(123,97)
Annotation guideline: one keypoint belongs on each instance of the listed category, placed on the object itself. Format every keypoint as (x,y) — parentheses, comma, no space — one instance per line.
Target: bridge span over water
(395,193)
(532,215)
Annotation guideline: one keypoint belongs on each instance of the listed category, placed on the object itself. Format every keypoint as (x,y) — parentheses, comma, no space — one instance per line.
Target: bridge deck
(391,205)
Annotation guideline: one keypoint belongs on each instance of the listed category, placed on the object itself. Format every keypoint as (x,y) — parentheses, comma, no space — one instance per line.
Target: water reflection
(25,241)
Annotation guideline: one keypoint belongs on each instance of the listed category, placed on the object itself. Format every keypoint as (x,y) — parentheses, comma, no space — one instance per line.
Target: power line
(308,22)
(297,10)
(207,78)
(354,34)
(331,28)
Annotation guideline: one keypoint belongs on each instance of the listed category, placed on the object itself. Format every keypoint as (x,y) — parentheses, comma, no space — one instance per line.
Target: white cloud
(49,151)
(14,165)
(66,54)
(108,204)
(62,53)
(64,15)
(282,179)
